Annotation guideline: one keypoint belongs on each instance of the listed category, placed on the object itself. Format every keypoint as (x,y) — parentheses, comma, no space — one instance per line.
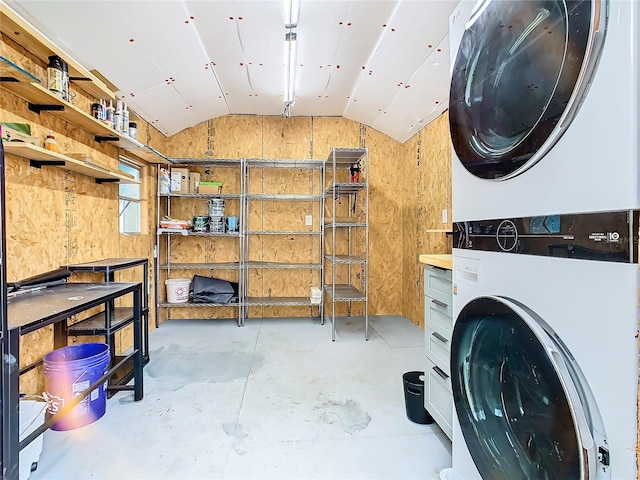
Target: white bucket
(31,417)
(177,290)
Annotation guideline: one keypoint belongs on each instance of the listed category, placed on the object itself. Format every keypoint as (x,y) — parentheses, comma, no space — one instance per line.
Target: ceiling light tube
(291,13)
(290,62)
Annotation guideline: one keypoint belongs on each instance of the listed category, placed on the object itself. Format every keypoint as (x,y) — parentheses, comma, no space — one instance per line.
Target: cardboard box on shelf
(194,182)
(179,180)
(17,132)
(210,187)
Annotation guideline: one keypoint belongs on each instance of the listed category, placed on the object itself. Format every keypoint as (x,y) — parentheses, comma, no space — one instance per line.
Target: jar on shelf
(55,76)
(50,142)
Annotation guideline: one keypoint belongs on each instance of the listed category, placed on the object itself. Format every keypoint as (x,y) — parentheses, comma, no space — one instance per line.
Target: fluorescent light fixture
(291,13)
(291,47)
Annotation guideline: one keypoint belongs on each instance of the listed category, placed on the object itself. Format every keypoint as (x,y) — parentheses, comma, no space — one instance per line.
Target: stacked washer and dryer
(544,118)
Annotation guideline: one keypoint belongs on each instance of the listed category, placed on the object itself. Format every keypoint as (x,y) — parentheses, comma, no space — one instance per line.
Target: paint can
(200,223)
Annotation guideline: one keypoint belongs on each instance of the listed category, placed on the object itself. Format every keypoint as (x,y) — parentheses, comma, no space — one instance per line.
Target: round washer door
(523,406)
(520,73)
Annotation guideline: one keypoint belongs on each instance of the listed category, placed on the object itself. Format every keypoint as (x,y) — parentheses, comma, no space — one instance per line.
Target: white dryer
(544,350)
(544,107)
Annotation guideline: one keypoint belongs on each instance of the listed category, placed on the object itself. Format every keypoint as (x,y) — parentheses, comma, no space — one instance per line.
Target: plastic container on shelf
(50,142)
(177,290)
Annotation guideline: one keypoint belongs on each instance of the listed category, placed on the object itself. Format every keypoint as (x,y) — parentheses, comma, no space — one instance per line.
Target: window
(130,199)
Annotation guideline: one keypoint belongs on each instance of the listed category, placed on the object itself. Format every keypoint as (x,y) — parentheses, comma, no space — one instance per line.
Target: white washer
(544,359)
(543,131)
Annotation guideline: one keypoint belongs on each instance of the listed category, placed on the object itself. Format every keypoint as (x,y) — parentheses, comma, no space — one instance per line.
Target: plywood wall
(56,217)
(303,138)
(426,192)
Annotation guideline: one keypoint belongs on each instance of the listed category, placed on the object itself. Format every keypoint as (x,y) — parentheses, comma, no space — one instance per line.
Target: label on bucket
(82,408)
(55,404)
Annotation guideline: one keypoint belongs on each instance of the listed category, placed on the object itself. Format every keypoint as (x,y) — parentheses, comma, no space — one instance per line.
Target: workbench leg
(60,335)
(11,406)
(137,345)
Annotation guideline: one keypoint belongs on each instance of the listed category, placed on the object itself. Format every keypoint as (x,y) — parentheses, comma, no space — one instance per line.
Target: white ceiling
(384,63)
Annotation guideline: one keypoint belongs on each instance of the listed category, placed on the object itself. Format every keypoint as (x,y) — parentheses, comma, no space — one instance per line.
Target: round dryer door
(520,73)
(523,406)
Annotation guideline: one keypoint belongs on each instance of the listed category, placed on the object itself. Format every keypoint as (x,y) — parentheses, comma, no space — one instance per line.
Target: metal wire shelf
(282,265)
(201,266)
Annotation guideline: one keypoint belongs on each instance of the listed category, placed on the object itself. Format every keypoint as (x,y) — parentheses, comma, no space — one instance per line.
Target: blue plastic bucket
(68,372)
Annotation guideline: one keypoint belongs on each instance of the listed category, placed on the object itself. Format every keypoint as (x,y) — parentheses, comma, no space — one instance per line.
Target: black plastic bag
(213,290)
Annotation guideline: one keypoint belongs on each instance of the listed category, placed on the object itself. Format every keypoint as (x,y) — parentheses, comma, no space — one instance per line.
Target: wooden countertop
(442,260)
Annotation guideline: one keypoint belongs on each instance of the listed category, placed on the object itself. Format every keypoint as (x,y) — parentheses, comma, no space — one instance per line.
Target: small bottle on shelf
(133,130)
(117,118)
(109,117)
(50,142)
(125,119)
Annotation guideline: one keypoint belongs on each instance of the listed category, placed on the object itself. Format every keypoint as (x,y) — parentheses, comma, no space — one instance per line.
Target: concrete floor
(275,399)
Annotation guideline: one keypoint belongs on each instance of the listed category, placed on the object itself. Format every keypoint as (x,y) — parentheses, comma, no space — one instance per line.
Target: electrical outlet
(445,215)
(308,220)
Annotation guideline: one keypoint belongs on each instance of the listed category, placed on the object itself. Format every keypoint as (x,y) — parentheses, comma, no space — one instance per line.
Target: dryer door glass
(519,75)
(512,408)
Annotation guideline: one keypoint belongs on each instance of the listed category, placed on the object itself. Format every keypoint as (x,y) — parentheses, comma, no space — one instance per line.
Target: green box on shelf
(17,132)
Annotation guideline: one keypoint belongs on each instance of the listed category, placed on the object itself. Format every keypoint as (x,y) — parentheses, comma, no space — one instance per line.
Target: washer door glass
(519,75)
(513,408)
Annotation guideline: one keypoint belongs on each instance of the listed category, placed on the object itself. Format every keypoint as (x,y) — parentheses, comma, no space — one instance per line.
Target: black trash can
(414,398)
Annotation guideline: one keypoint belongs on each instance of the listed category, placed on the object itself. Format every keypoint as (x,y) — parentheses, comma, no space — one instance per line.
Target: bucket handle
(413,391)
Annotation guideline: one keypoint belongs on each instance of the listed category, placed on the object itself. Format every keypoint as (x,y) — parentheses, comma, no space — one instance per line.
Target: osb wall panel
(233,136)
(199,249)
(385,223)
(282,216)
(426,192)
(309,137)
(330,132)
(284,248)
(56,217)
(412,297)
(286,137)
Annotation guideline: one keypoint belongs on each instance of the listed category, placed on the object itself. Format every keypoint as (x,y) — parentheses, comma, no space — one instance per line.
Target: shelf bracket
(47,108)
(105,138)
(40,163)
(107,180)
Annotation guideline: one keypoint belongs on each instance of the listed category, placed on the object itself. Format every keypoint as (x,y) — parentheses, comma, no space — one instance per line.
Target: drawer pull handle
(439,303)
(439,371)
(439,337)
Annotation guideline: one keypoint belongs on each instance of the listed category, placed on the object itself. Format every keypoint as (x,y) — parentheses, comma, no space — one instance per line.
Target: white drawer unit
(438,397)
(437,349)
(438,316)
(437,283)
(438,327)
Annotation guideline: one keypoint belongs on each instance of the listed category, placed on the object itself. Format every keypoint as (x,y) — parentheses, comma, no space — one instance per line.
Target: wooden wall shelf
(20,82)
(40,157)
(18,29)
